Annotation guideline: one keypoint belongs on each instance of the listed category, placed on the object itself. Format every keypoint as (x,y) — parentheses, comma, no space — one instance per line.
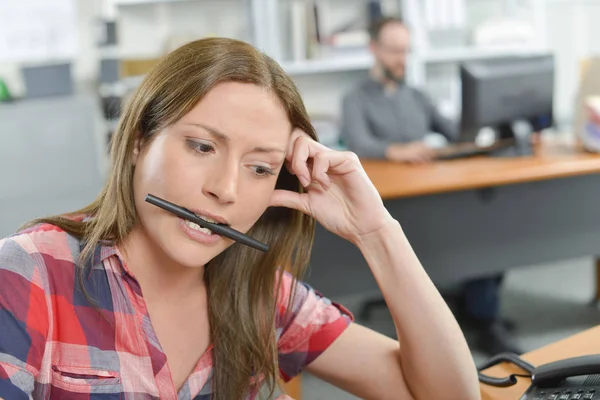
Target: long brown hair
(242,283)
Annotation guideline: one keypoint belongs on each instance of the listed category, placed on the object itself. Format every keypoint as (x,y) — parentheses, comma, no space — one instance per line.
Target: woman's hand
(339,194)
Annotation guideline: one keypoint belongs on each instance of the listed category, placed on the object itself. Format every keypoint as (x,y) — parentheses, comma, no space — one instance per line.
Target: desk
(475,217)
(552,160)
(581,344)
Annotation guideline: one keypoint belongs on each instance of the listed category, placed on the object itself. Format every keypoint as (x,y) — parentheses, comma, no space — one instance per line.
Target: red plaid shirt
(55,344)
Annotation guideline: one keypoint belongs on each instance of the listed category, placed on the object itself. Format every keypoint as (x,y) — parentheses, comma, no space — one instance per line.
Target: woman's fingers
(302,149)
(299,158)
(311,161)
(320,168)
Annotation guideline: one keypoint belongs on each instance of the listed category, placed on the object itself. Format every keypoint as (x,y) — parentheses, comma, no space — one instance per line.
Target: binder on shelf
(313,33)
(298,30)
(445,23)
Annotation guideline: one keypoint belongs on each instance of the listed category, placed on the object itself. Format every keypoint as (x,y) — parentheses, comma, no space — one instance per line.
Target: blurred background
(105,46)
(67,66)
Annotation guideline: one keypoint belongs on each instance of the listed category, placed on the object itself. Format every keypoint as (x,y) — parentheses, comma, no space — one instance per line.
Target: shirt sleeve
(355,130)
(439,123)
(306,327)
(23,320)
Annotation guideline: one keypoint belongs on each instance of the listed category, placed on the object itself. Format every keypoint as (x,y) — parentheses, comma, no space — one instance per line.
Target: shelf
(355,63)
(475,53)
(365,61)
(348,63)
(140,2)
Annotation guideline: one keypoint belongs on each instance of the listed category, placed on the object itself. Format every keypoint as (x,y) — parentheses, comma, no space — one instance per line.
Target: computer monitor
(497,93)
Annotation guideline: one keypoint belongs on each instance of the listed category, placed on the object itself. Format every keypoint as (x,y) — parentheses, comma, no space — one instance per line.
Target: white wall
(323,92)
(569,38)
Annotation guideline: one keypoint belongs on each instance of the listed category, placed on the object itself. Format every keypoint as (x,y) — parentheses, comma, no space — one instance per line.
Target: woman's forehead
(241,110)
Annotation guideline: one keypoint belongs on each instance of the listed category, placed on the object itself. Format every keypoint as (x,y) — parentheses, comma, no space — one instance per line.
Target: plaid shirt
(55,344)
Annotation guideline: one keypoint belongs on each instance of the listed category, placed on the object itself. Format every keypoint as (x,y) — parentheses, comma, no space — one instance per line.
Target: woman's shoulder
(40,244)
(43,237)
(307,324)
(298,301)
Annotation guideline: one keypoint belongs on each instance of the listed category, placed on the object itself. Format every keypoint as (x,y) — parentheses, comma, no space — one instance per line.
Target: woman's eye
(199,147)
(262,172)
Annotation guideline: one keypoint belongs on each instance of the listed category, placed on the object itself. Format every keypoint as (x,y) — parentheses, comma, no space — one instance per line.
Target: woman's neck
(157,274)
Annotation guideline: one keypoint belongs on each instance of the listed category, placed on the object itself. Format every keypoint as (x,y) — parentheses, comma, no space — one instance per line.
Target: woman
(124,300)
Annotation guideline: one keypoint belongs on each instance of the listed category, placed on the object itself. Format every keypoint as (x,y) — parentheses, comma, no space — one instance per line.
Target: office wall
(568,36)
(571,31)
(572,26)
(84,65)
(144,29)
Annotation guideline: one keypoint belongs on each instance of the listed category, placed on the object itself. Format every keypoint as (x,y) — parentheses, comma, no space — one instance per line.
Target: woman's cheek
(253,214)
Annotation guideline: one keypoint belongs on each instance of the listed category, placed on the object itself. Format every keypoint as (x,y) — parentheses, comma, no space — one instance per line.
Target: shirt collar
(104,250)
(378,86)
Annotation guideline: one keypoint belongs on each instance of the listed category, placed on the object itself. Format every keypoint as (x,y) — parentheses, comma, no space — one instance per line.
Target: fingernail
(303,181)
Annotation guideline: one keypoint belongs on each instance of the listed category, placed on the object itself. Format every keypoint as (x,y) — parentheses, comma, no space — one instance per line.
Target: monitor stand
(522,141)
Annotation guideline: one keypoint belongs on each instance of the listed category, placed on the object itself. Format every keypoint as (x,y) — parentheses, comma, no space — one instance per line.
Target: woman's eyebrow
(268,150)
(214,132)
(223,137)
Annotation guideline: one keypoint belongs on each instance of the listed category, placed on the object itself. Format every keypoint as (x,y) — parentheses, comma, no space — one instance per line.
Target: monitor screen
(500,91)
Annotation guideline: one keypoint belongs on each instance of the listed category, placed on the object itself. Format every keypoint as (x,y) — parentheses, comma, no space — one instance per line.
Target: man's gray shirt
(373,119)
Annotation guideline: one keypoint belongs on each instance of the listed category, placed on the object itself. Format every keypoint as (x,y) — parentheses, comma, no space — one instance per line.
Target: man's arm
(439,123)
(355,130)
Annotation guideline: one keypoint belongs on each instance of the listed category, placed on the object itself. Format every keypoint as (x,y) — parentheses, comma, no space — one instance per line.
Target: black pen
(219,229)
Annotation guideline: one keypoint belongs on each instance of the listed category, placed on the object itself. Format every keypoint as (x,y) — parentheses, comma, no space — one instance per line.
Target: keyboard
(466,150)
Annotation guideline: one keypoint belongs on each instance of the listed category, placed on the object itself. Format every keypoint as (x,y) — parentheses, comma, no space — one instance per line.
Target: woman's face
(221,160)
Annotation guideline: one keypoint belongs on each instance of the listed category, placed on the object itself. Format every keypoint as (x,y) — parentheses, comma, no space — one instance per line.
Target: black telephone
(576,378)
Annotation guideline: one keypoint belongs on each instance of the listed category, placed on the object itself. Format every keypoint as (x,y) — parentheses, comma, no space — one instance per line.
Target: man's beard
(389,75)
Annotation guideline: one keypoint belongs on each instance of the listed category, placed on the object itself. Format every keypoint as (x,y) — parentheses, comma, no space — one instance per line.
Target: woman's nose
(222,185)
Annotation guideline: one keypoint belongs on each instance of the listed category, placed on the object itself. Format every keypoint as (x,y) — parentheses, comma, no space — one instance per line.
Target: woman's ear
(137,148)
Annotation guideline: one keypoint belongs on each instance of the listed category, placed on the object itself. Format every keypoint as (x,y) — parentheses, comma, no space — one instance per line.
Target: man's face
(391,49)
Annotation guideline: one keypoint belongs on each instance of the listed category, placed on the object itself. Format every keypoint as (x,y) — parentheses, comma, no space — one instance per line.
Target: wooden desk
(581,344)
(552,160)
(293,388)
(476,217)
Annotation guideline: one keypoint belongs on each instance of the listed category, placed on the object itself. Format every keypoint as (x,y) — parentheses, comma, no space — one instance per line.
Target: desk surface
(552,159)
(581,344)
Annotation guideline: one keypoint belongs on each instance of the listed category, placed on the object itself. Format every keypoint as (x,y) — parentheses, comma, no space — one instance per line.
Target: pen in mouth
(219,229)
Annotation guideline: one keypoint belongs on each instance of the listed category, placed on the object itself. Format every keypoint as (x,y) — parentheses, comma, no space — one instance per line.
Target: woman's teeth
(197,227)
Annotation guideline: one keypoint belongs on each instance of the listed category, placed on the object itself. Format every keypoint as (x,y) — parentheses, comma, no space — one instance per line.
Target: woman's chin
(194,255)
(193,259)
(189,250)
